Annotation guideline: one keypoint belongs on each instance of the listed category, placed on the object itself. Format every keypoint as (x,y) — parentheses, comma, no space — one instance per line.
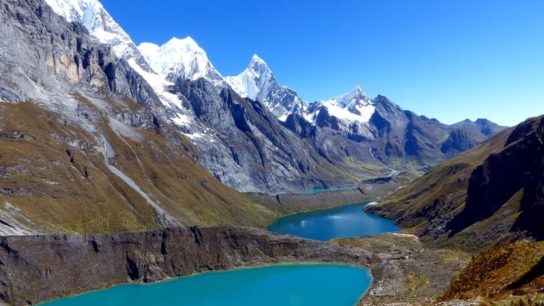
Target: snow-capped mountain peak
(180,58)
(92,15)
(83,11)
(257,82)
(258,64)
(352,98)
(99,23)
(352,107)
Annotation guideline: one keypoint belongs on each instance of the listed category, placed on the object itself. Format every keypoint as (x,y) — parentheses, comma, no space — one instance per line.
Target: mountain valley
(135,163)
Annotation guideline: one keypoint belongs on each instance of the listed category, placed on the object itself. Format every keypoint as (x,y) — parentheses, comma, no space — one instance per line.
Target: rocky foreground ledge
(34,269)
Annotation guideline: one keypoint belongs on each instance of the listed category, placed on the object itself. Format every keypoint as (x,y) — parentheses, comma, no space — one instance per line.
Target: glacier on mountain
(180,58)
(257,82)
(352,107)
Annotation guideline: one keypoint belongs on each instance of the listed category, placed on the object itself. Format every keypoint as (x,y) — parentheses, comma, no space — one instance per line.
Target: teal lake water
(284,285)
(341,222)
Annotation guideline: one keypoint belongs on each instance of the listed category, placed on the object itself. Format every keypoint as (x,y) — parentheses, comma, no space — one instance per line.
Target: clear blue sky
(447,59)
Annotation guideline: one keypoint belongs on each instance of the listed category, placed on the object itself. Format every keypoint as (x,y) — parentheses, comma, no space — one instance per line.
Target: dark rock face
(324,120)
(299,125)
(489,195)
(518,168)
(458,141)
(40,49)
(39,268)
(268,156)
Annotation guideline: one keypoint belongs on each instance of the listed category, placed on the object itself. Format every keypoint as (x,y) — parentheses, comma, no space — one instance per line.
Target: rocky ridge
(488,195)
(34,272)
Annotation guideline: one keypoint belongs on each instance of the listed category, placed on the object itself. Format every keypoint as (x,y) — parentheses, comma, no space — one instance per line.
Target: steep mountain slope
(99,153)
(92,15)
(508,275)
(378,131)
(251,149)
(257,154)
(490,194)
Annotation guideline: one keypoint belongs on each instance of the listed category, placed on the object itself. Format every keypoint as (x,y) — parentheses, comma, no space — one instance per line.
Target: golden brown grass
(64,188)
(498,273)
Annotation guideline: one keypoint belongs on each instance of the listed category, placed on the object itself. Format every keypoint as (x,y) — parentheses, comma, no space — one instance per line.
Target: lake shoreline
(316,264)
(322,224)
(288,204)
(41,268)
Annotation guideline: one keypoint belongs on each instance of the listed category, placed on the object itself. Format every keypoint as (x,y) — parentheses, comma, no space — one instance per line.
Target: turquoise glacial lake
(341,222)
(282,285)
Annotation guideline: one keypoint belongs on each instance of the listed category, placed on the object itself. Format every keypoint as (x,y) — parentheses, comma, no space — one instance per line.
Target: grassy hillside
(54,178)
(491,194)
(424,206)
(508,275)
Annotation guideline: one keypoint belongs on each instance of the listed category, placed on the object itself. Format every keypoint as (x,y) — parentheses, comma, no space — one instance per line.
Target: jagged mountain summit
(353,107)
(103,28)
(257,82)
(180,58)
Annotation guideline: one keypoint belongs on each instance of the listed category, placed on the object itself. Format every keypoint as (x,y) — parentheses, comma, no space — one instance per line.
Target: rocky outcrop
(514,174)
(458,141)
(488,195)
(43,57)
(39,268)
(251,150)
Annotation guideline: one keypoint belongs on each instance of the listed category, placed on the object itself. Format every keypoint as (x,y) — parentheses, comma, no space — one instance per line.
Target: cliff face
(513,175)
(250,149)
(43,57)
(38,268)
(487,195)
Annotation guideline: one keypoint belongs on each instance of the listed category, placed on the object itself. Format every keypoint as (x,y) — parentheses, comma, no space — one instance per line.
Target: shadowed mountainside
(489,194)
